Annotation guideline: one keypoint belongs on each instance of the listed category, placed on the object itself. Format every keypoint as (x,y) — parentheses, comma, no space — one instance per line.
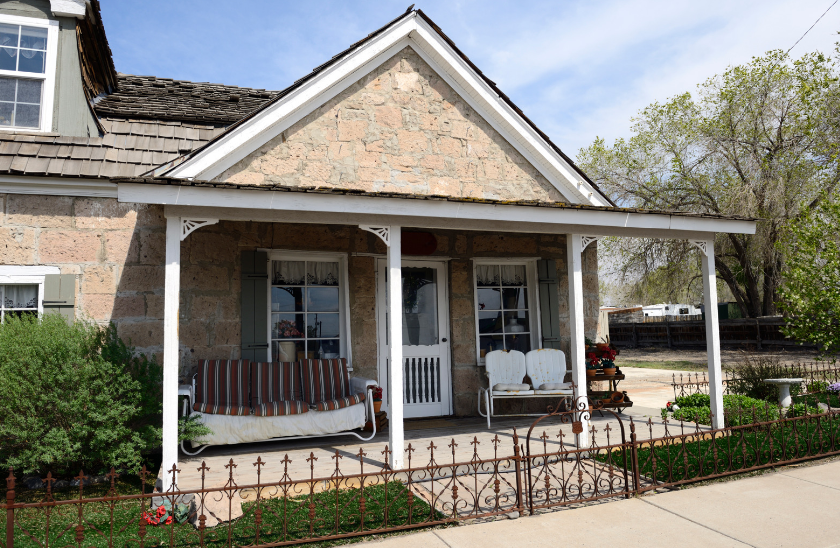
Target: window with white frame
(308,317)
(506,310)
(27,72)
(18,300)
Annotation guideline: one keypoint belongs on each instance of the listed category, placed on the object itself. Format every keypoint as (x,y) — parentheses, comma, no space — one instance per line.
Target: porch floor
(419,433)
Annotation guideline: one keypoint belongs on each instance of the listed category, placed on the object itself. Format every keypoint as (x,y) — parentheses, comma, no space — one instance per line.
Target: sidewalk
(791,507)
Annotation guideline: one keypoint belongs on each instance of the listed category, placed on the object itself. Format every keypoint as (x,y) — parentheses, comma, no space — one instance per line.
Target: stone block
(504,243)
(153,247)
(373,175)
(105,213)
(461,308)
(231,307)
(39,211)
(69,246)
(142,278)
(154,306)
(227,333)
(312,237)
(98,279)
(466,405)
(205,278)
(352,130)
(203,308)
(407,81)
(103,307)
(389,116)
(142,334)
(212,247)
(412,141)
(449,147)
(463,354)
(194,332)
(122,246)
(150,216)
(467,380)
(17,245)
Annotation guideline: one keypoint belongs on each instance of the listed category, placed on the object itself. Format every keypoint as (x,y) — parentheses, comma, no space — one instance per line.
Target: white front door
(427,378)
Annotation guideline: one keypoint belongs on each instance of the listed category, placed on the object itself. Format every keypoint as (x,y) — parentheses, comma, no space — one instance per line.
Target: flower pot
(377,405)
(591,372)
(609,371)
(602,346)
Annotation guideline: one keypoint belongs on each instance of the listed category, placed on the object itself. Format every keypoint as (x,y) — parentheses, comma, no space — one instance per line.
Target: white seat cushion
(511,387)
(566,392)
(555,386)
(513,393)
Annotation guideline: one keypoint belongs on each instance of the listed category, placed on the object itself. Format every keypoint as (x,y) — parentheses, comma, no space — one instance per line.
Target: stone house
(217,222)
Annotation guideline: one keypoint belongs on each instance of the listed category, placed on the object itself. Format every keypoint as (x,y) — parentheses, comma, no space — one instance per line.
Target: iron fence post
(634,459)
(10,509)
(518,465)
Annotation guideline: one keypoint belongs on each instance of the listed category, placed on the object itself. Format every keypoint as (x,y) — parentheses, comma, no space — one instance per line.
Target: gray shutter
(60,295)
(549,306)
(254,305)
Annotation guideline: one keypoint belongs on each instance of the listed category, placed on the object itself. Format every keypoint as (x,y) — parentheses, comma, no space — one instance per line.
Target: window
(27,70)
(18,300)
(307,308)
(506,309)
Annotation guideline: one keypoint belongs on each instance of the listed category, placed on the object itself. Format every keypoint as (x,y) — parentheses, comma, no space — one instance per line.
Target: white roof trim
(68,8)
(57,186)
(417,34)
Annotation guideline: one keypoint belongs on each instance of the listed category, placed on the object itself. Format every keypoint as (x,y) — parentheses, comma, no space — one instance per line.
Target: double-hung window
(27,72)
(308,301)
(22,290)
(506,306)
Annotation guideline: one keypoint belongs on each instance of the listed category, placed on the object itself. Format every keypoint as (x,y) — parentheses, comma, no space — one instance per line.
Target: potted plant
(608,361)
(377,398)
(591,364)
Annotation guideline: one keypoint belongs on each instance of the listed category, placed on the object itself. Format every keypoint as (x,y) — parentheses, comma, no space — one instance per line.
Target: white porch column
(574,262)
(707,247)
(172,290)
(396,436)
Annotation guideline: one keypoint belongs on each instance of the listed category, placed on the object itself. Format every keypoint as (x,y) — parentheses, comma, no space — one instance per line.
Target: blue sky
(578,69)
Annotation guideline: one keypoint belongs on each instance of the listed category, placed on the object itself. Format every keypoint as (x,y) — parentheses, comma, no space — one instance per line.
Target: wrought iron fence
(557,464)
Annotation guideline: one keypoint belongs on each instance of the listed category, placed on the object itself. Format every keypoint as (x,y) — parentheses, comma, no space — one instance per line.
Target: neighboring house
(670,310)
(211,221)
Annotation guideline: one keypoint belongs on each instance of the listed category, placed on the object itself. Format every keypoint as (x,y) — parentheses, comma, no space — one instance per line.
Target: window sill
(33,132)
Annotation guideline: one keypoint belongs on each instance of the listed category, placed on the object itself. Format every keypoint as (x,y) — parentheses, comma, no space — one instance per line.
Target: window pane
(490,322)
(287,351)
(321,273)
(27,115)
(289,273)
(31,61)
(29,91)
(490,343)
(7,87)
(6,110)
(420,312)
(33,38)
(8,59)
(20,313)
(287,299)
(488,299)
(9,35)
(518,342)
(516,322)
(322,299)
(20,296)
(287,326)
(322,326)
(325,349)
(513,274)
(515,298)
(486,275)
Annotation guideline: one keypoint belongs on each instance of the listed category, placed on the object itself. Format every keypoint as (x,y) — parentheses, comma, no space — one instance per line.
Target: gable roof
(414,28)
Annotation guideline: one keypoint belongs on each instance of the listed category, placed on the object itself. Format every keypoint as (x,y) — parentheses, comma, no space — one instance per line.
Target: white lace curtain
(310,272)
(500,274)
(20,296)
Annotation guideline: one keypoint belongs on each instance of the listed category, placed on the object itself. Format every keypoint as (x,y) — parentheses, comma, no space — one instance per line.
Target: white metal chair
(506,372)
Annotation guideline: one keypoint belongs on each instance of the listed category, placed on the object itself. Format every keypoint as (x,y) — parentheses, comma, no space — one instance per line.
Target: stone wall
(401,128)
(117,253)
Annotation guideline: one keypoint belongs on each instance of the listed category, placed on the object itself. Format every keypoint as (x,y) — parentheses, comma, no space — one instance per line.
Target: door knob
(444,339)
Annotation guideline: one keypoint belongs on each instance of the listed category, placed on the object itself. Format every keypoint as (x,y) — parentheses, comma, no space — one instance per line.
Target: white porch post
(172,290)
(707,248)
(396,435)
(574,262)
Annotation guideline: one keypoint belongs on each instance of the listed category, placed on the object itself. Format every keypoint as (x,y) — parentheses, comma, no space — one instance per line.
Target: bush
(74,396)
(751,372)
(737,410)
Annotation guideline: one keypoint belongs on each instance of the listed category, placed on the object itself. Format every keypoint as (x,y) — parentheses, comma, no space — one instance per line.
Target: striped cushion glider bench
(242,401)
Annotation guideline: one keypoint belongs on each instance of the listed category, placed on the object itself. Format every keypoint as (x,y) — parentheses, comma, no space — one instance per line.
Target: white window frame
(48,77)
(533,298)
(28,275)
(345,339)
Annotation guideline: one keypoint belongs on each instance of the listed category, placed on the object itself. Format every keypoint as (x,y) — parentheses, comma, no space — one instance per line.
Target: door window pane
(420,307)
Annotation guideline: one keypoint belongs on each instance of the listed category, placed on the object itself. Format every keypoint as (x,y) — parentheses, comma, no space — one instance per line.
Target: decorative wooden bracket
(702,245)
(384,232)
(188,226)
(586,240)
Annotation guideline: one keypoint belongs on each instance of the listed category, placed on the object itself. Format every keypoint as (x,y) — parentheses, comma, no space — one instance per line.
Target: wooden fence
(758,333)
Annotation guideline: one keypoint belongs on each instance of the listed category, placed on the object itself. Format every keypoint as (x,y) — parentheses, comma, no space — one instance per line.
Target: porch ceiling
(334,206)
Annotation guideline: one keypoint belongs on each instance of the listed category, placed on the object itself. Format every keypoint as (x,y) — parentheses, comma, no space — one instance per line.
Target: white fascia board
(57,186)
(460,76)
(68,8)
(420,211)
(280,116)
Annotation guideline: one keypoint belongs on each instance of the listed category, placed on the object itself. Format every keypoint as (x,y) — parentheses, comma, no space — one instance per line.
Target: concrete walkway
(790,507)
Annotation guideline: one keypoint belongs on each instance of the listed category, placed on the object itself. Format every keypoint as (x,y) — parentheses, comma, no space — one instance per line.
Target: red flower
(168,520)
(161,510)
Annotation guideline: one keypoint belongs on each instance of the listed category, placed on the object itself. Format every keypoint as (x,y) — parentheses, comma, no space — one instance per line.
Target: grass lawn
(689,457)
(674,365)
(282,519)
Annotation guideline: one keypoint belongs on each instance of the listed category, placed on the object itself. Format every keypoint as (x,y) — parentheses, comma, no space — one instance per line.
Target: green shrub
(817,386)
(737,410)
(694,400)
(751,372)
(74,396)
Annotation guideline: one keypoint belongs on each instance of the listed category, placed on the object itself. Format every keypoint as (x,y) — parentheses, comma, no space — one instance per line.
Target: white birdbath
(784,389)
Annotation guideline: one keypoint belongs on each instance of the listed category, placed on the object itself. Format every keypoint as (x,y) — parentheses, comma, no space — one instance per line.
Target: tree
(758,141)
(810,293)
